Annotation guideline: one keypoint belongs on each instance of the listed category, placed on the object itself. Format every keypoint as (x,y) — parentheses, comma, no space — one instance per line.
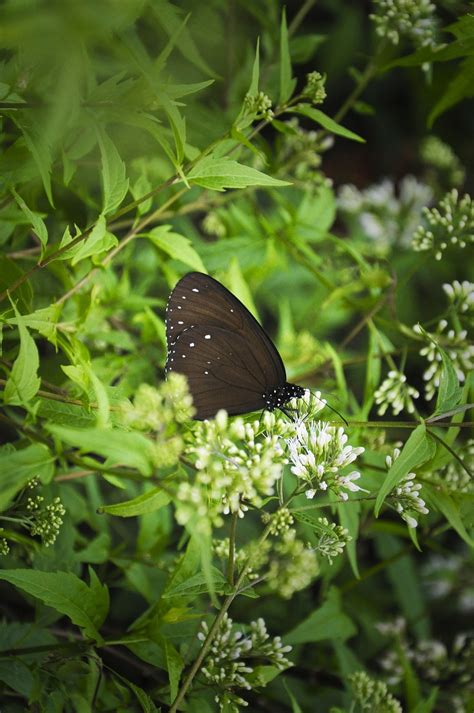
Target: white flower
(395,393)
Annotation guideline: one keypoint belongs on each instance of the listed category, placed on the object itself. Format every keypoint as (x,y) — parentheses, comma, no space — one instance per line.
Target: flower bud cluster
(213,225)
(395,393)
(332,539)
(4,546)
(259,104)
(292,566)
(440,156)
(413,20)
(461,296)
(314,88)
(226,665)
(451,224)
(45,521)
(373,695)
(280,522)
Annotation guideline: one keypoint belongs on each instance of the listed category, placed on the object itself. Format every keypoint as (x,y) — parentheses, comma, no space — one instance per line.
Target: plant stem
(214,628)
(231,559)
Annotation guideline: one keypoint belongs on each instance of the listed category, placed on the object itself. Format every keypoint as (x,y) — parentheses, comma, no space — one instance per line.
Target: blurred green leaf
(287,83)
(326,122)
(17,467)
(114,175)
(148,502)
(35,219)
(86,606)
(23,382)
(119,447)
(176,246)
(326,622)
(217,174)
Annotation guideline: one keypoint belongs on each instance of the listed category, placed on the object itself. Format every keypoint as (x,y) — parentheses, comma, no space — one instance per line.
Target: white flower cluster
(319,453)
(414,20)
(382,216)
(405,497)
(395,393)
(451,224)
(226,664)
(455,343)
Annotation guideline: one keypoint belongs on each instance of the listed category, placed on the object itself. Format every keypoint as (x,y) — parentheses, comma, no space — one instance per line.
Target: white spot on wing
(195,289)
(192,344)
(207,336)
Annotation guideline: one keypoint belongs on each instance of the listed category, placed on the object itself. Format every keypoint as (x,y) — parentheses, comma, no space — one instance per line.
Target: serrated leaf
(41,153)
(327,622)
(114,177)
(23,382)
(98,241)
(197,584)
(35,219)
(446,504)
(119,447)
(325,121)
(416,451)
(86,606)
(287,83)
(217,174)
(43,321)
(17,467)
(148,502)
(349,518)
(176,246)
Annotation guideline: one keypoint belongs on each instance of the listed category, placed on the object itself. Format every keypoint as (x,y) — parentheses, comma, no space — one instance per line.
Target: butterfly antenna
(331,408)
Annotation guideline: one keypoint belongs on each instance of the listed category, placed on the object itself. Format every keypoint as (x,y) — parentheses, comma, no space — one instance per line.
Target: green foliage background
(128,158)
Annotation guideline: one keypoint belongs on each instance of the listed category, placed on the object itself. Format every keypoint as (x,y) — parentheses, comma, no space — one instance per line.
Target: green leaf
(35,219)
(253,88)
(197,584)
(458,88)
(327,622)
(447,505)
(427,704)
(114,178)
(98,241)
(239,287)
(287,83)
(41,153)
(325,121)
(23,382)
(174,664)
(17,467)
(178,127)
(217,174)
(86,606)
(120,447)
(142,697)
(148,502)
(349,518)
(10,273)
(43,320)
(449,392)
(416,451)
(176,246)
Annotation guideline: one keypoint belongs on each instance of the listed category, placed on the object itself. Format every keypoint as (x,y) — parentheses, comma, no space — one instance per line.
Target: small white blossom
(455,343)
(451,224)
(414,20)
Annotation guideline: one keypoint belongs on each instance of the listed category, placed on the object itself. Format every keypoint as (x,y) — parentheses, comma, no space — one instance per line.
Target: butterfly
(229,360)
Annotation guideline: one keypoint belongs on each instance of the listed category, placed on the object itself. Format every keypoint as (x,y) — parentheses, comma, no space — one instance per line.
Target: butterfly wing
(245,363)
(220,369)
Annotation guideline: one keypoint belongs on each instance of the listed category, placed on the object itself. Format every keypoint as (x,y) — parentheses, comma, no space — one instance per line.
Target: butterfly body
(228,359)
